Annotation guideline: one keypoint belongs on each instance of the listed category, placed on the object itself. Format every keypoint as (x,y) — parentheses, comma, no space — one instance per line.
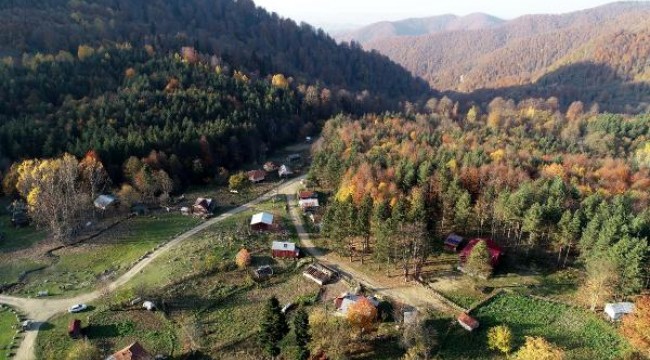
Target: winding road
(41,310)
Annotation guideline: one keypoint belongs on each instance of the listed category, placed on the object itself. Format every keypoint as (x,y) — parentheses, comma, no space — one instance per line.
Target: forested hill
(523,51)
(419,26)
(236,31)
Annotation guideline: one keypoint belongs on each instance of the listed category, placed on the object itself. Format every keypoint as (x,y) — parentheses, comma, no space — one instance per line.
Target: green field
(77,269)
(18,238)
(582,334)
(7,331)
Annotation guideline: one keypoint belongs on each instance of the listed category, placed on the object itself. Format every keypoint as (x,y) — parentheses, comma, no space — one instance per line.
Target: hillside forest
(569,187)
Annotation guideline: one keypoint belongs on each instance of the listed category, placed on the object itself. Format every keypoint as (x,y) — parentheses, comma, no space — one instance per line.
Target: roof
(468,322)
(256,174)
(262,218)
(619,308)
(104,201)
(307,195)
(495,250)
(134,351)
(453,239)
(284,170)
(319,273)
(204,202)
(285,246)
(308,203)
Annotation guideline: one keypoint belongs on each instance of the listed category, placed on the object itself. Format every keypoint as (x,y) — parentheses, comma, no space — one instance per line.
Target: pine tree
(478,262)
(301,330)
(273,327)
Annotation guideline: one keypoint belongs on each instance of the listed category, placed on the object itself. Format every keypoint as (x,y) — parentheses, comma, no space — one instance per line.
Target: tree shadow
(101,331)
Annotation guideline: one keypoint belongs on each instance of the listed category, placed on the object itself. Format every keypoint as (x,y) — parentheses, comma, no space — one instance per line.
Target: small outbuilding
(287,250)
(270,166)
(307,194)
(256,176)
(615,311)
(320,274)
(262,221)
(264,272)
(454,243)
(135,351)
(308,204)
(104,202)
(284,171)
(149,305)
(496,252)
(467,322)
(203,206)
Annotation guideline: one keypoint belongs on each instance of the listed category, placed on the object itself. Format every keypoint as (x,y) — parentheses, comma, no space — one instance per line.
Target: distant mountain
(242,35)
(530,49)
(419,26)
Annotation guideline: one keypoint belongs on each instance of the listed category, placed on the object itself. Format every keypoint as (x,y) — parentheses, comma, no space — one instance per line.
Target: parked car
(77,308)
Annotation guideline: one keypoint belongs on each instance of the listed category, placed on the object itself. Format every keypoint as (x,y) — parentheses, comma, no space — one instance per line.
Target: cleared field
(7,331)
(582,334)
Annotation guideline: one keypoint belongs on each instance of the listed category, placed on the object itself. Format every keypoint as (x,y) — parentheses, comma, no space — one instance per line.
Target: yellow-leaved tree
(54,195)
(500,339)
(537,348)
(280,81)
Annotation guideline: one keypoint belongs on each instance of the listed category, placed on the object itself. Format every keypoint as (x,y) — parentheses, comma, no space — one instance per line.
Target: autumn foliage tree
(243,258)
(537,348)
(636,326)
(54,194)
(362,314)
(500,339)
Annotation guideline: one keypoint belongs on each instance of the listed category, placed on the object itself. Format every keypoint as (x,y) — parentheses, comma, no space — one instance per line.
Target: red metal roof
(467,320)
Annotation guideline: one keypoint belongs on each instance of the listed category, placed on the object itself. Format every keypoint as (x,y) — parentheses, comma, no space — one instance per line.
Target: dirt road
(41,310)
(411,294)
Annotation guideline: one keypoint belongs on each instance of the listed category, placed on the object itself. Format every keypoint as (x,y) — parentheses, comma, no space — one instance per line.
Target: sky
(336,14)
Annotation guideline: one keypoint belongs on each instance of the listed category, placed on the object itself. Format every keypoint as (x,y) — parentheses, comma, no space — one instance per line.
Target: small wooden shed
(467,322)
(286,250)
(262,221)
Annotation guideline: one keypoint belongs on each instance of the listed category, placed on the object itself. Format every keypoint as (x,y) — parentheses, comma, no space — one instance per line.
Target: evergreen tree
(478,262)
(273,327)
(301,330)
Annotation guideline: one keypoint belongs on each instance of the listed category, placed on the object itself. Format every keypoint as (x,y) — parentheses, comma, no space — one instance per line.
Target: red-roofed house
(496,252)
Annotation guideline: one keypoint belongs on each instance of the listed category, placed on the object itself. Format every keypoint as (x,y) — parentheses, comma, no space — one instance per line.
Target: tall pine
(273,327)
(301,330)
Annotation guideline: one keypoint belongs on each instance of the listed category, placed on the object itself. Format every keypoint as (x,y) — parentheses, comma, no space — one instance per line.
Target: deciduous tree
(537,348)
(636,326)
(500,339)
(243,258)
(362,314)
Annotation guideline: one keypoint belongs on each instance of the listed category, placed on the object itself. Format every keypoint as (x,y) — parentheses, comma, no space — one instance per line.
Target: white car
(77,308)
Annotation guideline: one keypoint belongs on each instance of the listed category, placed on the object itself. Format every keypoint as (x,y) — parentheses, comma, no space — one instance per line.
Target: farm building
(134,351)
(256,176)
(74,329)
(262,221)
(467,322)
(104,202)
(203,206)
(343,302)
(284,171)
(495,251)
(321,274)
(283,249)
(270,166)
(308,204)
(307,194)
(454,243)
(615,311)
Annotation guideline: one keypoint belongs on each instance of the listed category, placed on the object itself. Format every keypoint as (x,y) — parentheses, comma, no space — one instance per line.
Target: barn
(496,252)
(286,250)
(262,221)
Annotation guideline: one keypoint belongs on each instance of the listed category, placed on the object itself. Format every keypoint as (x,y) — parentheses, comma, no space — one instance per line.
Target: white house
(616,310)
